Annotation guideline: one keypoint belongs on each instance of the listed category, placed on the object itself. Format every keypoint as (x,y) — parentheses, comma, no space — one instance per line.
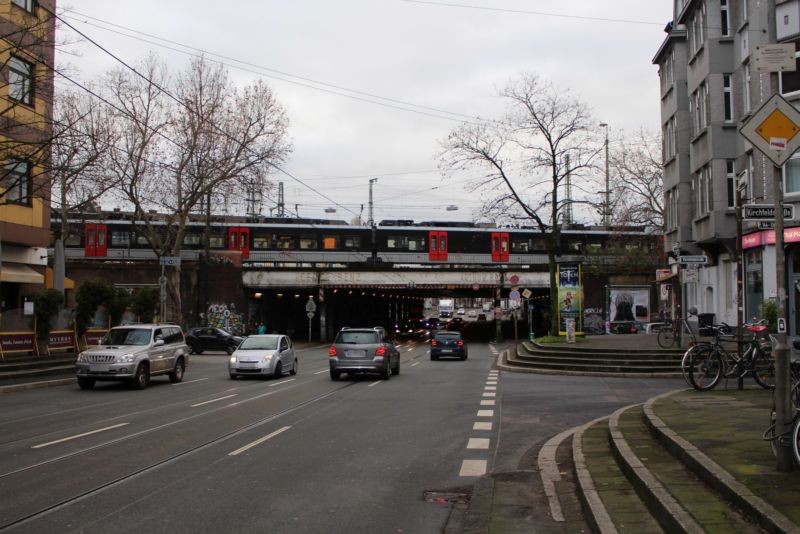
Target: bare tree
(182,139)
(637,181)
(527,157)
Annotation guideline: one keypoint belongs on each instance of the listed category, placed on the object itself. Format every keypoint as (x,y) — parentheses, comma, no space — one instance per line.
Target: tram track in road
(151,467)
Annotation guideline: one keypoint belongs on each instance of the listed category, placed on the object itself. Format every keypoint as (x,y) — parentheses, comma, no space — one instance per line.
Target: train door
(95,242)
(437,245)
(500,246)
(239,239)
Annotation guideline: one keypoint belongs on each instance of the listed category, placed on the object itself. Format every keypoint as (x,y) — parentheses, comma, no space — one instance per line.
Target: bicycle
(670,334)
(706,363)
(794,426)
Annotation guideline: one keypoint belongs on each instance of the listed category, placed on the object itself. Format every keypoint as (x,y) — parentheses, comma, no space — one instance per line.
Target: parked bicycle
(706,363)
(793,434)
(670,334)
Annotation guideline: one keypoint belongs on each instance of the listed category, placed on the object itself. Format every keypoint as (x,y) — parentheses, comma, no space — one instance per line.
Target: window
(746,91)
(669,139)
(702,191)
(191,239)
(671,216)
(308,243)
(520,246)
(284,242)
(791,175)
(352,242)
(730,179)
(699,108)
(262,241)
(668,71)
(330,242)
(17,182)
(216,241)
(727,97)
(396,242)
(790,81)
(697,29)
(142,240)
(417,243)
(744,11)
(27,5)
(20,80)
(725,18)
(120,239)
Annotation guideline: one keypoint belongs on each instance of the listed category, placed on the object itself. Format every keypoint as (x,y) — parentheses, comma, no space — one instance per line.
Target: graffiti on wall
(226,317)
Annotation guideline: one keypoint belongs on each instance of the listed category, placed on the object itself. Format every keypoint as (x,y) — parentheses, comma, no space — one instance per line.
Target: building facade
(27,31)
(710,86)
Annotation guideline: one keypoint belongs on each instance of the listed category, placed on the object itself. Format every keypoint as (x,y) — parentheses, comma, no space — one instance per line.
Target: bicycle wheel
(796,441)
(705,368)
(763,367)
(687,357)
(666,338)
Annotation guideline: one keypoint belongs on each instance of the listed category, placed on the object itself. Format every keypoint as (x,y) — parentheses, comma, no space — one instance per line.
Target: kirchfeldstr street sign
(694,260)
(774,129)
(757,212)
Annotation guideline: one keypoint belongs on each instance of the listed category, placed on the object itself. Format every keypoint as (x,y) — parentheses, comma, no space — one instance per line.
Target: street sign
(170,261)
(310,315)
(311,307)
(775,58)
(766,225)
(693,260)
(773,129)
(526,294)
(514,296)
(756,212)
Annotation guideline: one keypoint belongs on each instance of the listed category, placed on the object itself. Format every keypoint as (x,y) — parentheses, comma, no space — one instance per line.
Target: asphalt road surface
(297,454)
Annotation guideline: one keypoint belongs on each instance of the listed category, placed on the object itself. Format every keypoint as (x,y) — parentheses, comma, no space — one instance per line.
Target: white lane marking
(213,400)
(258,441)
(491,382)
(487,403)
(490,388)
(189,381)
(415,363)
(76,436)
(485,413)
(472,468)
(375,383)
(323,371)
(282,382)
(478,443)
(481,426)
(489,394)
(410,349)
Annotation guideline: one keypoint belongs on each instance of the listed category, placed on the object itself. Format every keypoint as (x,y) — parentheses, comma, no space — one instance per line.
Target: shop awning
(69,283)
(20,274)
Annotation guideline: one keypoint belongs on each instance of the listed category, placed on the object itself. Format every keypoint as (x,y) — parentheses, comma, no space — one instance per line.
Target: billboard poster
(629,304)
(61,340)
(570,296)
(17,342)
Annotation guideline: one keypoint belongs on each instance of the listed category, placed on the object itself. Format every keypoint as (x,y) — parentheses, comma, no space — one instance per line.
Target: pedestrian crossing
(474,465)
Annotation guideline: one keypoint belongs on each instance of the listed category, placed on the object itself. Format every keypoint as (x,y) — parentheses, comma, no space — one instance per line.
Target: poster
(629,304)
(570,296)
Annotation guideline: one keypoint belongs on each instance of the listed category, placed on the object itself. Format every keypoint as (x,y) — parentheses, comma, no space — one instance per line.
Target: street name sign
(773,129)
(757,212)
(694,260)
(170,261)
(766,225)
(774,57)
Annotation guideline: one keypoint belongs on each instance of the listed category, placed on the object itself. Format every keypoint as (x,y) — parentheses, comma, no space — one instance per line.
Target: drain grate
(446,497)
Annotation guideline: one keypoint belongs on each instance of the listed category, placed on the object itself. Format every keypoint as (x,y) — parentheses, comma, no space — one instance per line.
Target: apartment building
(27,32)
(710,85)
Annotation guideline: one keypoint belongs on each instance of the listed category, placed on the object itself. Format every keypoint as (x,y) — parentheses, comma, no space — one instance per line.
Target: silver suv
(363,350)
(134,353)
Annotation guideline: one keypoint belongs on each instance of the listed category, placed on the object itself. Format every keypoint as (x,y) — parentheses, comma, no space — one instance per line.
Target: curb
(505,364)
(715,475)
(36,385)
(596,513)
(667,510)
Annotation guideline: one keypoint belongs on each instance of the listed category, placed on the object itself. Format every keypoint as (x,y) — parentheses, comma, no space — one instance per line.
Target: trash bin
(704,323)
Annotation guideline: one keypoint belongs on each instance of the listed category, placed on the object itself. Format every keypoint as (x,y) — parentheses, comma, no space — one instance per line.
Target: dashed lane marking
(258,441)
(375,383)
(188,381)
(282,382)
(481,426)
(487,403)
(478,443)
(320,372)
(489,394)
(213,400)
(76,436)
(490,388)
(485,413)
(414,364)
(472,468)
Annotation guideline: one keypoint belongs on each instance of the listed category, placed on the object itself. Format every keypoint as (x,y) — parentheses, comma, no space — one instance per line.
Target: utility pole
(281,204)
(607,205)
(371,213)
(568,191)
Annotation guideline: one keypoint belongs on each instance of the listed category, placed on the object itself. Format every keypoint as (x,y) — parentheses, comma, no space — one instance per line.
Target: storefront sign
(61,340)
(17,342)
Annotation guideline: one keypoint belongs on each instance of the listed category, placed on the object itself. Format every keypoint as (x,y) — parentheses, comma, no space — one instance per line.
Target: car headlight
(233,359)
(125,358)
(82,357)
(267,358)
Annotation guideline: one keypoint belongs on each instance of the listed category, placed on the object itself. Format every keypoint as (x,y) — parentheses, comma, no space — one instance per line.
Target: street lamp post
(607,205)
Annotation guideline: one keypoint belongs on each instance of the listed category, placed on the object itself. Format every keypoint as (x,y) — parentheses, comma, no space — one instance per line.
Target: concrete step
(61,369)
(644,348)
(673,493)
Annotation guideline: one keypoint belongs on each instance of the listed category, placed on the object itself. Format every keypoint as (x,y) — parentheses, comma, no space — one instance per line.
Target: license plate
(100,368)
(248,364)
(355,353)
(446,351)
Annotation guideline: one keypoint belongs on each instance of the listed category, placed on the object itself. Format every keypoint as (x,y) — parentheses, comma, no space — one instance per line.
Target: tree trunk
(173,306)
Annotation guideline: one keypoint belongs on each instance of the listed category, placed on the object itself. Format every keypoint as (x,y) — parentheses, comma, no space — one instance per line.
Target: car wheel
(396,368)
(233,376)
(85,383)
(434,358)
(141,378)
(177,373)
(278,370)
(196,350)
(294,368)
(335,375)
(386,373)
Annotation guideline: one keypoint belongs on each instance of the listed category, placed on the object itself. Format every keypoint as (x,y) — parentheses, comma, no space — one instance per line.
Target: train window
(520,246)
(191,239)
(216,241)
(72,240)
(284,242)
(417,243)
(119,239)
(330,242)
(141,240)
(595,246)
(576,246)
(262,241)
(504,244)
(396,242)
(352,241)
(308,243)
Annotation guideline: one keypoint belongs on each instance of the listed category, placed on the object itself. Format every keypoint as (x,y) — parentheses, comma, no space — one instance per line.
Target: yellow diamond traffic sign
(773,129)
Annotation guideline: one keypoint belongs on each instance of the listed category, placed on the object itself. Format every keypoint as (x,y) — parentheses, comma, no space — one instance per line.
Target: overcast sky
(372,87)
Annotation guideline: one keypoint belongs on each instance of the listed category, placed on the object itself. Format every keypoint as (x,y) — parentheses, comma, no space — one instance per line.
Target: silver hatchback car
(263,355)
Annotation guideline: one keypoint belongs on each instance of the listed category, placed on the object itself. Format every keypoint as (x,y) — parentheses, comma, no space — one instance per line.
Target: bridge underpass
(371,298)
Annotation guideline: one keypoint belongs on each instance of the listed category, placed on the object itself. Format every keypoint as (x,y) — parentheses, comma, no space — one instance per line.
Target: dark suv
(363,350)
(210,338)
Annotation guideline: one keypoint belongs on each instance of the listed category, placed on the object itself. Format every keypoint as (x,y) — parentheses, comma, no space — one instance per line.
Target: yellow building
(27,35)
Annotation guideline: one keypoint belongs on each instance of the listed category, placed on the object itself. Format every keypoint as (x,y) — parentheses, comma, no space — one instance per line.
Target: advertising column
(570,296)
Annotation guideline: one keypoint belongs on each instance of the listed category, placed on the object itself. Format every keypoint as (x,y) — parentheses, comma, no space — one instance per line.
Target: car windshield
(357,338)
(260,343)
(444,336)
(127,336)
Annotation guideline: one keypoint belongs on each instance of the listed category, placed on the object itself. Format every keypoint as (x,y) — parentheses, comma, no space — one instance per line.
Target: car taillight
(434,343)
(332,351)
(460,343)
(380,351)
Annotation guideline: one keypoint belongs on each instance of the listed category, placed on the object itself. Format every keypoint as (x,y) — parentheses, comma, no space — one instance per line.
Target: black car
(455,324)
(211,338)
(447,343)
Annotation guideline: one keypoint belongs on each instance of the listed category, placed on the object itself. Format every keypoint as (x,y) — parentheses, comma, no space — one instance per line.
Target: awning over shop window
(20,274)
(69,283)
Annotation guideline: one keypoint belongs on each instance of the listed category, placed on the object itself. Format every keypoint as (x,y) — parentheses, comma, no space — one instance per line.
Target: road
(296,454)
